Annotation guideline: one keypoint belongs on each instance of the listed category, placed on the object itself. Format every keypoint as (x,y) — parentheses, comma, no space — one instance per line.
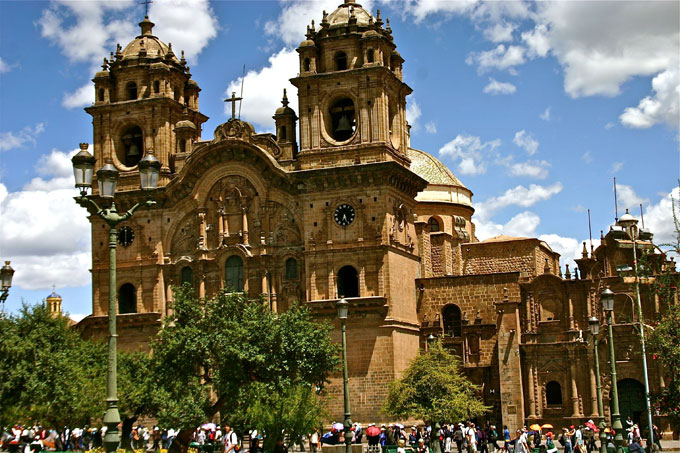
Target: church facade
(339,204)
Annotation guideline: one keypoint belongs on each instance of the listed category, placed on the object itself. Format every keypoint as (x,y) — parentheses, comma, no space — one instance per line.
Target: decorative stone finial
(388,29)
(147,26)
(119,51)
(324,20)
(584,253)
(378,19)
(105,65)
(284,101)
(183,60)
(567,273)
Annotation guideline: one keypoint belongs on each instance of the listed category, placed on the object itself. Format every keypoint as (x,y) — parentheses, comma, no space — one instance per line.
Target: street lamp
(607,297)
(343,309)
(6,274)
(629,223)
(107,177)
(594,325)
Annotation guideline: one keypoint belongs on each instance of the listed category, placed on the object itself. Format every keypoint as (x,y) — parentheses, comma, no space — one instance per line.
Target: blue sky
(536,107)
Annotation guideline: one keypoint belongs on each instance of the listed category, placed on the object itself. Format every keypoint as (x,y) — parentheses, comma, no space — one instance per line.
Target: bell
(344,125)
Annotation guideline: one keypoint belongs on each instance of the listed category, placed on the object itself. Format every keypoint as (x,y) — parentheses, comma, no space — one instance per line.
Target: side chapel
(338,203)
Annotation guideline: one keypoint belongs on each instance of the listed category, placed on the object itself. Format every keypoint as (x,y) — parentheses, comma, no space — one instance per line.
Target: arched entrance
(631,400)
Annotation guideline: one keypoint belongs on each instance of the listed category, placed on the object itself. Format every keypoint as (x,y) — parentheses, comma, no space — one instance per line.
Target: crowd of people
(461,437)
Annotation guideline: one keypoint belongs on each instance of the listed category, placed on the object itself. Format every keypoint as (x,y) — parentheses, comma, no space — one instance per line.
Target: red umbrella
(372,431)
(592,426)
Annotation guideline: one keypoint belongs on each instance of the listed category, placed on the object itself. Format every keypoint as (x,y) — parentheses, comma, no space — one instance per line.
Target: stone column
(571,313)
(168,299)
(202,238)
(532,392)
(509,362)
(575,412)
(594,412)
(244,225)
(201,286)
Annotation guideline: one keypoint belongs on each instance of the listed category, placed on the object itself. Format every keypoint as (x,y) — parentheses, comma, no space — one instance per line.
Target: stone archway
(631,399)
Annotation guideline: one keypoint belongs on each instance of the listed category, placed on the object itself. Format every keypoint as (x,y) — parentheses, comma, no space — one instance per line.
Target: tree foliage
(48,373)
(434,389)
(227,354)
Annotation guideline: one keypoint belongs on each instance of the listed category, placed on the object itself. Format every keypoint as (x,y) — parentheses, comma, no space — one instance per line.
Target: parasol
(399,425)
(209,426)
(338,426)
(547,426)
(535,427)
(372,431)
(592,426)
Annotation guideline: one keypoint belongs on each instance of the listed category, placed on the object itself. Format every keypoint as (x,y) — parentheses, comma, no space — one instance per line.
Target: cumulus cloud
(295,15)
(27,135)
(496,87)
(533,169)
(82,97)
(526,141)
(499,32)
(4,67)
(472,152)
(545,116)
(659,218)
(44,232)
(523,224)
(431,127)
(501,57)
(517,196)
(265,89)
(627,198)
(616,167)
(412,114)
(568,248)
(587,157)
(663,106)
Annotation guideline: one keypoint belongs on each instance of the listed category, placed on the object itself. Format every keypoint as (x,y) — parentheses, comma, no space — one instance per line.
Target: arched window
(340,61)
(131,90)
(433,225)
(187,275)
(101,95)
(348,282)
(182,146)
(234,274)
(342,124)
(452,321)
(133,144)
(127,299)
(157,87)
(282,133)
(553,393)
(291,269)
(306,65)
(370,55)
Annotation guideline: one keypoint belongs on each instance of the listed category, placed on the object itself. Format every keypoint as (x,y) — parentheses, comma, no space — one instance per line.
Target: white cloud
(537,41)
(534,169)
(501,57)
(526,141)
(568,248)
(627,198)
(44,232)
(4,67)
(587,157)
(297,14)
(473,154)
(664,106)
(12,140)
(545,116)
(412,114)
(77,317)
(523,224)
(420,9)
(499,32)
(496,87)
(518,196)
(431,127)
(659,218)
(82,97)
(264,89)
(616,167)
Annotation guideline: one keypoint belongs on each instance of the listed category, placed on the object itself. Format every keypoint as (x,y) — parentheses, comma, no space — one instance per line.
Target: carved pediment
(235,129)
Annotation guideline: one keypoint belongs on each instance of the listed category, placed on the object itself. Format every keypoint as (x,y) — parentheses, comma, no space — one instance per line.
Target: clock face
(125,236)
(344,214)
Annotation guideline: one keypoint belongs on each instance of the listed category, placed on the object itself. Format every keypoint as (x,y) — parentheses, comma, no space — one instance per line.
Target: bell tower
(141,94)
(352,100)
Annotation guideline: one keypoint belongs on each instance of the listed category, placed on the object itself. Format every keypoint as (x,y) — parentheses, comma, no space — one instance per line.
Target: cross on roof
(233,100)
(146,4)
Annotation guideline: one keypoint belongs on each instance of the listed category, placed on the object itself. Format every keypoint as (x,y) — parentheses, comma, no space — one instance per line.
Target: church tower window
(101,95)
(291,269)
(340,61)
(131,90)
(370,55)
(133,143)
(187,275)
(234,274)
(348,282)
(342,119)
(282,133)
(306,65)
(553,393)
(157,87)
(452,321)
(433,225)
(127,299)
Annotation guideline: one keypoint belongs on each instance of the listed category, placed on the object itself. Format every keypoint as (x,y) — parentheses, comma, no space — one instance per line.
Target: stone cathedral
(338,203)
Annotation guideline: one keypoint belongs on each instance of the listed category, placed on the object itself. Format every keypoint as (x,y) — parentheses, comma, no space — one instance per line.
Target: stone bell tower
(141,93)
(352,98)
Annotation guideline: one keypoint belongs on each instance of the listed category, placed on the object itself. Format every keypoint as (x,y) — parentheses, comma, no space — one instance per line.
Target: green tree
(222,354)
(434,389)
(48,373)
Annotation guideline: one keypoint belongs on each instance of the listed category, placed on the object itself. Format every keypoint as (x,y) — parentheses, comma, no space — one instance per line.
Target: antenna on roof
(590,234)
(642,216)
(243,78)
(616,205)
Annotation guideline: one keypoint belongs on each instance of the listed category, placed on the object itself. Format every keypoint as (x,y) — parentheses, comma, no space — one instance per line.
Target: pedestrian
(400,448)
(458,437)
(657,437)
(231,444)
(421,446)
(635,446)
(314,440)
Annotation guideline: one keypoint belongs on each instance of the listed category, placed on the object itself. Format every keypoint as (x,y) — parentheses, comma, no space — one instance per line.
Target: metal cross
(233,100)
(146,4)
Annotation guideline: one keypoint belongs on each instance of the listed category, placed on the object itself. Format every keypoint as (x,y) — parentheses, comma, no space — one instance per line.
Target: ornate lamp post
(594,325)
(630,225)
(107,177)
(343,309)
(607,297)
(6,274)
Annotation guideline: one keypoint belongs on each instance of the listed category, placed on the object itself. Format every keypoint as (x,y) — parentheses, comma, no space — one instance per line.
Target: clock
(125,236)
(344,214)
